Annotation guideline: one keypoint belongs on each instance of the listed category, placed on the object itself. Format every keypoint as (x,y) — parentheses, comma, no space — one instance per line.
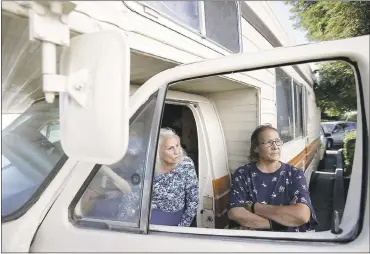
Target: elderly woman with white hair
(175,186)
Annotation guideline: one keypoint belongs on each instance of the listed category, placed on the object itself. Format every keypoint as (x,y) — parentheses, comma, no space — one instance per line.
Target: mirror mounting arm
(74,85)
(48,23)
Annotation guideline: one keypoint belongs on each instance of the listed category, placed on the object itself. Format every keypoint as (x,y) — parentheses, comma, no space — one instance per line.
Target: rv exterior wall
(238,113)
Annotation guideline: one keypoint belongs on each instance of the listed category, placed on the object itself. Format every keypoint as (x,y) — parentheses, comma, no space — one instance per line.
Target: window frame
(295,92)
(311,237)
(240,35)
(178,22)
(202,26)
(304,103)
(291,103)
(305,111)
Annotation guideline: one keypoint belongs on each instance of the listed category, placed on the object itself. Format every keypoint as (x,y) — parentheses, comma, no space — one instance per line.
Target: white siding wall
(238,113)
(253,41)
(265,10)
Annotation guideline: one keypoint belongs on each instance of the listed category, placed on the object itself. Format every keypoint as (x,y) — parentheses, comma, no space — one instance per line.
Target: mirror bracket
(74,85)
(48,23)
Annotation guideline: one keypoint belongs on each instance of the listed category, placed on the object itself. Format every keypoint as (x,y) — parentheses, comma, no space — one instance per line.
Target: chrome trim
(150,161)
(180,102)
(126,226)
(217,234)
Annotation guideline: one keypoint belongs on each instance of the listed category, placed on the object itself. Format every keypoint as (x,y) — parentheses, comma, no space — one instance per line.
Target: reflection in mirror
(284,174)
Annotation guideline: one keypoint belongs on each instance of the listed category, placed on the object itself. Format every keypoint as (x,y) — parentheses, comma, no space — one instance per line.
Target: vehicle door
(69,227)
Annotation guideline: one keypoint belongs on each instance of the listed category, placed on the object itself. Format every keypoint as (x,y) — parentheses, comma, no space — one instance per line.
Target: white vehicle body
(47,225)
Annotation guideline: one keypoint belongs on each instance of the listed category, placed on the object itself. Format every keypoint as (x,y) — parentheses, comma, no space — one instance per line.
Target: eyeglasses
(271,142)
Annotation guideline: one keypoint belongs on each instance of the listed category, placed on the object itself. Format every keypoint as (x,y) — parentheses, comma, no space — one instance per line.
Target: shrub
(349,151)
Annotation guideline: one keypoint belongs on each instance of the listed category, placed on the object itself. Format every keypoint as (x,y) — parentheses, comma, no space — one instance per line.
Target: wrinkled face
(267,149)
(170,150)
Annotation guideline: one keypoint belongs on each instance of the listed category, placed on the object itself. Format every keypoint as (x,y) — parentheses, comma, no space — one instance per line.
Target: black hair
(253,155)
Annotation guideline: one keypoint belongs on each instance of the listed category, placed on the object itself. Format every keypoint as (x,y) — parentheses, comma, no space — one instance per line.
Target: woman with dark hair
(268,194)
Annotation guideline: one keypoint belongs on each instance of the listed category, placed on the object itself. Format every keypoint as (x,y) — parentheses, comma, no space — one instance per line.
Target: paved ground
(321,189)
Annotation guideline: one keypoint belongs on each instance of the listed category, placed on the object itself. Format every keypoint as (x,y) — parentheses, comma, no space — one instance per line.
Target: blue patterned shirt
(282,187)
(177,190)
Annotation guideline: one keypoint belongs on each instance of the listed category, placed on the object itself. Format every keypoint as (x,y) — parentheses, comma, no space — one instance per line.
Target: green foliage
(327,117)
(349,151)
(333,20)
(336,91)
(329,108)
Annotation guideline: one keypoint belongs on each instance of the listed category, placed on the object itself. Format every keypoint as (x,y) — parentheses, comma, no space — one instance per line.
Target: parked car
(335,131)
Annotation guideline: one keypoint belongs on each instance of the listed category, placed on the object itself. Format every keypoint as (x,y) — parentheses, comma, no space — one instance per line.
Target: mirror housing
(94,114)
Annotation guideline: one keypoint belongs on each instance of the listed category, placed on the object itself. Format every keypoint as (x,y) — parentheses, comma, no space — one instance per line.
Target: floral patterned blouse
(177,190)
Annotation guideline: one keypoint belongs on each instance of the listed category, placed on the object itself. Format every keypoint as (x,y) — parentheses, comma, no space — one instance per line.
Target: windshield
(328,127)
(30,151)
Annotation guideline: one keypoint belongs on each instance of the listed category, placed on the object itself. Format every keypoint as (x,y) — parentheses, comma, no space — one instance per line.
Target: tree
(333,20)
(336,92)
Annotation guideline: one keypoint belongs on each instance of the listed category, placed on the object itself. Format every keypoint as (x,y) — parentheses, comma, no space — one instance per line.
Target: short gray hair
(166,132)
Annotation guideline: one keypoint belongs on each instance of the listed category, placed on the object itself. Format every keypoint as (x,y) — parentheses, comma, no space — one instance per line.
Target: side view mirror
(94,115)
(327,135)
